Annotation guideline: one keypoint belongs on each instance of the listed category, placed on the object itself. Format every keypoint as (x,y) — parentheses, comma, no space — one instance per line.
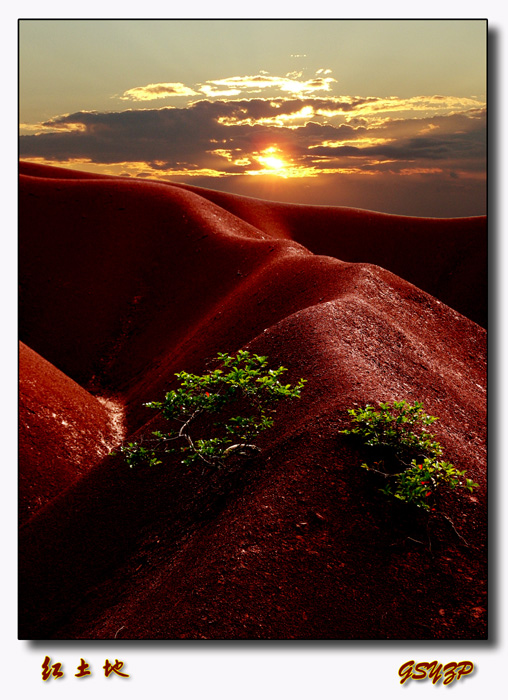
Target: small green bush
(242,393)
(405,454)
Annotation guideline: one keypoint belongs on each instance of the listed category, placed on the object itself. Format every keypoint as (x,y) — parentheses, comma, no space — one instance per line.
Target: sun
(272,161)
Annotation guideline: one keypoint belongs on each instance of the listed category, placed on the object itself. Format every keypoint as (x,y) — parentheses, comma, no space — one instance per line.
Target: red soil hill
(445,257)
(125,282)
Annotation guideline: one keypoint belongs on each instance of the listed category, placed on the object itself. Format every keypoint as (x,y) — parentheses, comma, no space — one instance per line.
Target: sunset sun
(273,161)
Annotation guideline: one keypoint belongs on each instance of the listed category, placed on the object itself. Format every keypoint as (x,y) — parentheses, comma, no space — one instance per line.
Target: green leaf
(242,392)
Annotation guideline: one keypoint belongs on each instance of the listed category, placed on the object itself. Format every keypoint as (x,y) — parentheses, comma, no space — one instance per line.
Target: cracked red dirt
(125,282)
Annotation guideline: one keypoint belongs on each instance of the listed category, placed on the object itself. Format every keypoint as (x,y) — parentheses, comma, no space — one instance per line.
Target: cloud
(234,86)
(262,81)
(302,136)
(157,91)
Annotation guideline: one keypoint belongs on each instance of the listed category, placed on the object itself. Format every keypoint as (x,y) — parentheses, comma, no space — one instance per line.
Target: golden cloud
(256,83)
(157,91)
(437,104)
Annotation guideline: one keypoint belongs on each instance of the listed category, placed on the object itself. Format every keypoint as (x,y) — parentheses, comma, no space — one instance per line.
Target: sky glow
(286,127)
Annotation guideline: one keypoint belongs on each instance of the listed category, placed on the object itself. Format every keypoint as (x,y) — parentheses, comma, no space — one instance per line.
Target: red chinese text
(114,668)
(83,670)
(48,671)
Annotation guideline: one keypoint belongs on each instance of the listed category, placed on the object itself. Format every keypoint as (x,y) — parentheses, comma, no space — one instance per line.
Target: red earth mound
(445,257)
(124,282)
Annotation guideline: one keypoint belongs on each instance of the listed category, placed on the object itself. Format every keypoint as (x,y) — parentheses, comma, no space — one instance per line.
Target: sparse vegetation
(242,393)
(404,453)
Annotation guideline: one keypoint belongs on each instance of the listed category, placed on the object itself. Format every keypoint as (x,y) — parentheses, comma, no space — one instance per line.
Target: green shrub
(404,453)
(241,393)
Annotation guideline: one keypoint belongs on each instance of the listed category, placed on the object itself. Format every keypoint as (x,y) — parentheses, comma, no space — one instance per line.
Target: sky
(387,115)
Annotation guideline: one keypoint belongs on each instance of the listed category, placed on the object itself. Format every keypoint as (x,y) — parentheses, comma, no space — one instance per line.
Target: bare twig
(446,517)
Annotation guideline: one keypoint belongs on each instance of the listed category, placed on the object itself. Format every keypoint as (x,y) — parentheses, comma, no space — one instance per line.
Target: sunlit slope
(63,431)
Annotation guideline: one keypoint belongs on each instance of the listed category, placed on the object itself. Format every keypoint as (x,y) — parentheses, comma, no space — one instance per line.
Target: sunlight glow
(274,120)
(273,162)
(361,142)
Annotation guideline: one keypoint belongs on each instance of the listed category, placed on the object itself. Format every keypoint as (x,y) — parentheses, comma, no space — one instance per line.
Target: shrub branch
(397,433)
(241,394)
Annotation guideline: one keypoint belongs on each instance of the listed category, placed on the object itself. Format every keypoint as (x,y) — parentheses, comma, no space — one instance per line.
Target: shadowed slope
(123,273)
(298,543)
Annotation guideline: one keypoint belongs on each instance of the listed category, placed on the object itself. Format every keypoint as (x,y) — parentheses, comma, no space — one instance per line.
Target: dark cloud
(225,135)
(418,148)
